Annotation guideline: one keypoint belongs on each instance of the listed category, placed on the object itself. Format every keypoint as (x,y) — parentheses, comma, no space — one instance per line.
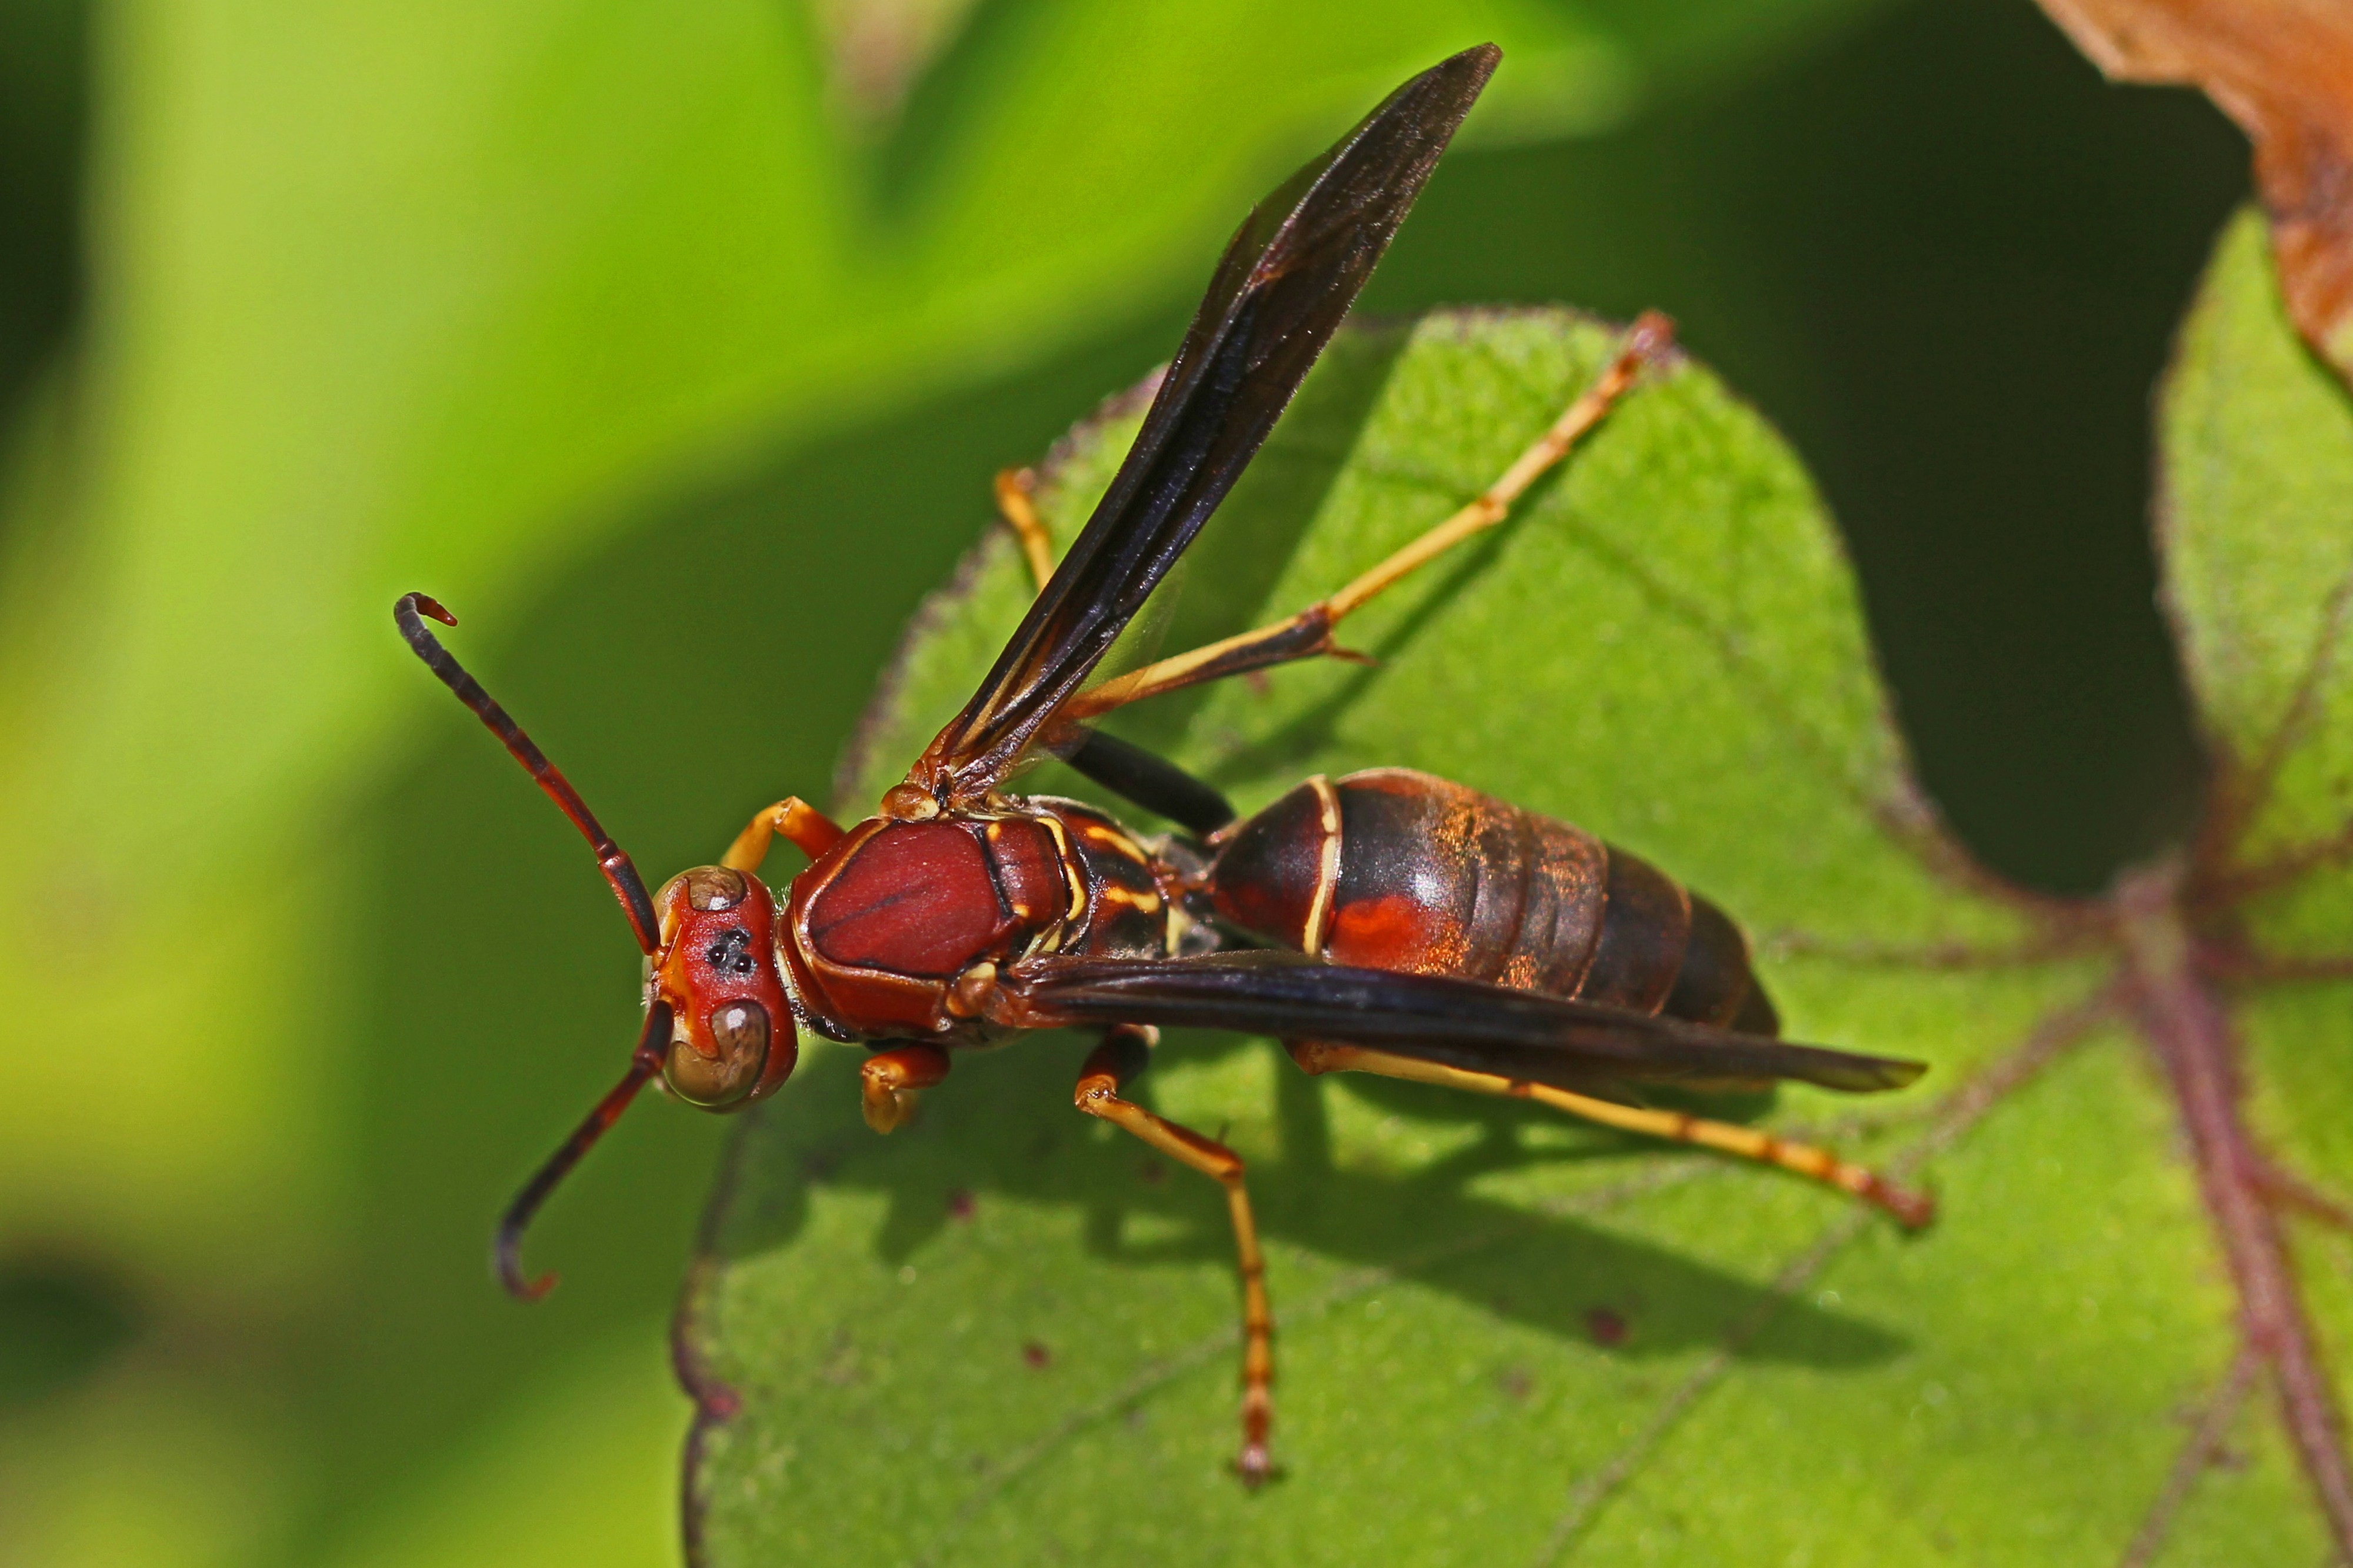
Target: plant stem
(2196,1045)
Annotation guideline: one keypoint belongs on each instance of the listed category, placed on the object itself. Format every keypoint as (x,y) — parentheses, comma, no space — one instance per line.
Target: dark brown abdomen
(1396,869)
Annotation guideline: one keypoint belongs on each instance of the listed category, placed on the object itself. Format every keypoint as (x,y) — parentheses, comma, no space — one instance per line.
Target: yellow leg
(1911,1209)
(802,825)
(1108,1069)
(1309,632)
(889,1081)
(1013,504)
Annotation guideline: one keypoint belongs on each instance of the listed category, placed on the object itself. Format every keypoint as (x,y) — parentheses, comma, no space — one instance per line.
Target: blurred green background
(674,346)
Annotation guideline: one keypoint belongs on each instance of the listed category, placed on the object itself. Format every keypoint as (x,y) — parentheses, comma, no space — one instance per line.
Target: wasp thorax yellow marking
(1072,876)
(971,993)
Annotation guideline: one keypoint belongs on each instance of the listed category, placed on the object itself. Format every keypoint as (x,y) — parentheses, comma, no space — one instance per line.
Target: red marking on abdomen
(1392,930)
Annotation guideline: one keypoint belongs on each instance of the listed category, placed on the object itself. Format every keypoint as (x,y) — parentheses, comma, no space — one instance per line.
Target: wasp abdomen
(1396,869)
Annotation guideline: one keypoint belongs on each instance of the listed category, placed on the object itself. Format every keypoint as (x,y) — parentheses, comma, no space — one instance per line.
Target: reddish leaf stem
(2200,1452)
(2235,964)
(2195,1044)
(2288,1190)
(2243,790)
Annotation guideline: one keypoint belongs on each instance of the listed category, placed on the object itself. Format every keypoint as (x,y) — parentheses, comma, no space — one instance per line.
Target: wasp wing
(1285,280)
(1462,1022)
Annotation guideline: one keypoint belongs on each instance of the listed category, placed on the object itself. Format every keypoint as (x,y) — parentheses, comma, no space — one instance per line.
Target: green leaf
(1007,1332)
(2256,516)
(2257,521)
(490,299)
(390,298)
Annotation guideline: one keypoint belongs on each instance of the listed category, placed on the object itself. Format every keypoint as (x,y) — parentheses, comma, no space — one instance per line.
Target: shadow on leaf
(1001,1129)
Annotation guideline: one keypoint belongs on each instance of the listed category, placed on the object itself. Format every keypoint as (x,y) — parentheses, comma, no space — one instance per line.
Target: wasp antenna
(619,871)
(506,1250)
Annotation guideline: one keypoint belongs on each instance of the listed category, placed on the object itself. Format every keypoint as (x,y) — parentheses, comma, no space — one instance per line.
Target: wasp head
(732,1035)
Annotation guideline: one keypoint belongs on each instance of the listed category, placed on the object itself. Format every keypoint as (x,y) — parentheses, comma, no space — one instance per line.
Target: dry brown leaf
(2284,70)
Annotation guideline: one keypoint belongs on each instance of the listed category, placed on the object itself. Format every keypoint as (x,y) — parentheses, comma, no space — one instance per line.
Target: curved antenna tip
(619,872)
(521,1288)
(428,605)
(506,1248)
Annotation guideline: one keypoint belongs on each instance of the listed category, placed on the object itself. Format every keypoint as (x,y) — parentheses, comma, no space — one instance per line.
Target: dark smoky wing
(1283,284)
(1462,1022)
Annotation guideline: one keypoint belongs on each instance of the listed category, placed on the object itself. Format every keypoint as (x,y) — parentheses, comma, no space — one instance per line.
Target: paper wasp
(1388,922)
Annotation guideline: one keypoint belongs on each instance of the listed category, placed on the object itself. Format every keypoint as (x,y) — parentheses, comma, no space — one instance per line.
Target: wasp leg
(1151,780)
(1109,1068)
(809,829)
(1020,515)
(1134,774)
(888,1082)
(1309,632)
(1910,1209)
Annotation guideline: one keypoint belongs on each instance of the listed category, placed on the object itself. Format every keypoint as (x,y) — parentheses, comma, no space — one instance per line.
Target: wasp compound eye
(710,888)
(739,1036)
